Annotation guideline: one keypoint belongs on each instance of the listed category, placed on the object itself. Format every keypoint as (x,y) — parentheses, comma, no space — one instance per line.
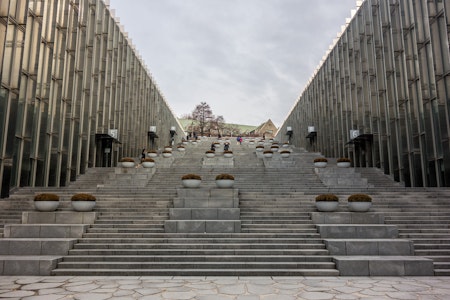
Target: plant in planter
(285,153)
(181,148)
(210,153)
(268,153)
(83,202)
(320,162)
(148,162)
(359,202)
(152,153)
(228,153)
(327,202)
(127,162)
(343,162)
(191,180)
(224,180)
(274,148)
(46,202)
(167,153)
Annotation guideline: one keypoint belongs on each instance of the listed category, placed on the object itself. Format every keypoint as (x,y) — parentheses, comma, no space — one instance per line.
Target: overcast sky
(248,59)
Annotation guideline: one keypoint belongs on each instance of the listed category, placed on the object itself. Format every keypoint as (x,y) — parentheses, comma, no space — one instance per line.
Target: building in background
(266,129)
(381,95)
(74,93)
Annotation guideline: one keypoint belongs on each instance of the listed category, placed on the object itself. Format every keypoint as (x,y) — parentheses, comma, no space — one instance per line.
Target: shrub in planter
(327,197)
(343,162)
(228,153)
(46,202)
(46,197)
(224,180)
(167,153)
(83,202)
(148,162)
(191,176)
(343,159)
(191,180)
(127,162)
(327,202)
(224,176)
(320,159)
(152,153)
(359,202)
(268,153)
(285,153)
(320,162)
(210,153)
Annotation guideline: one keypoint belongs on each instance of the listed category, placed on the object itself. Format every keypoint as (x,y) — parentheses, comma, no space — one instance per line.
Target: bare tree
(203,114)
(218,123)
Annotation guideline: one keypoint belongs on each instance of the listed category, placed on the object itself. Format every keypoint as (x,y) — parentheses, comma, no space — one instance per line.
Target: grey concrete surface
(223,288)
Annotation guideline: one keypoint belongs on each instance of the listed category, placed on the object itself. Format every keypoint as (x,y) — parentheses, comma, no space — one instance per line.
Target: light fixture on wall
(173,132)
(152,136)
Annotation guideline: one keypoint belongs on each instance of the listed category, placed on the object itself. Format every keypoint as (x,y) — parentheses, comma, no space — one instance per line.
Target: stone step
(200,258)
(267,246)
(202,240)
(193,251)
(196,272)
(196,264)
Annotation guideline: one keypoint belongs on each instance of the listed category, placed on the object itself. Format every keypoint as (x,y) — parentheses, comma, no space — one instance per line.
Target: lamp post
(152,136)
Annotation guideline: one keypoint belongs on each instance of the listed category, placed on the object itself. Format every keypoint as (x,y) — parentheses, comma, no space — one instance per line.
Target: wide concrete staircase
(279,233)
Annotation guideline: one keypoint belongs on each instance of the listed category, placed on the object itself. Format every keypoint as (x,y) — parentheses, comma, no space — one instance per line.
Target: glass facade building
(74,93)
(381,95)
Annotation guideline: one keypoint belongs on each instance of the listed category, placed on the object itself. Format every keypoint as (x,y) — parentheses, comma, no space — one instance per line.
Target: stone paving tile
(224,288)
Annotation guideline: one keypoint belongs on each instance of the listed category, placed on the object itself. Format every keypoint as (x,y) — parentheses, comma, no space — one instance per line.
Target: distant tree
(218,122)
(203,114)
(186,116)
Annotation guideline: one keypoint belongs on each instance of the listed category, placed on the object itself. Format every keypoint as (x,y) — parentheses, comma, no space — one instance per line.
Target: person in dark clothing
(143,154)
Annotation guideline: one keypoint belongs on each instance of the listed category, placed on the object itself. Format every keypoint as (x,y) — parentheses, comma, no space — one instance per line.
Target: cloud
(248,59)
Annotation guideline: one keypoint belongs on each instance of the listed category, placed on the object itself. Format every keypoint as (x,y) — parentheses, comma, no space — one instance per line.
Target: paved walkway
(224,288)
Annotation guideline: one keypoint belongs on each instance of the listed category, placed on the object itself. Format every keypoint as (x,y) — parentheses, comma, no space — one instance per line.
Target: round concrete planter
(127,164)
(210,155)
(44,205)
(259,149)
(191,183)
(181,149)
(285,145)
(285,155)
(327,205)
(320,164)
(185,143)
(359,206)
(81,205)
(152,154)
(228,155)
(344,164)
(167,148)
(194,143)
(224,183)
(167,155)
(274,149)
(148,164)
(268,155)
